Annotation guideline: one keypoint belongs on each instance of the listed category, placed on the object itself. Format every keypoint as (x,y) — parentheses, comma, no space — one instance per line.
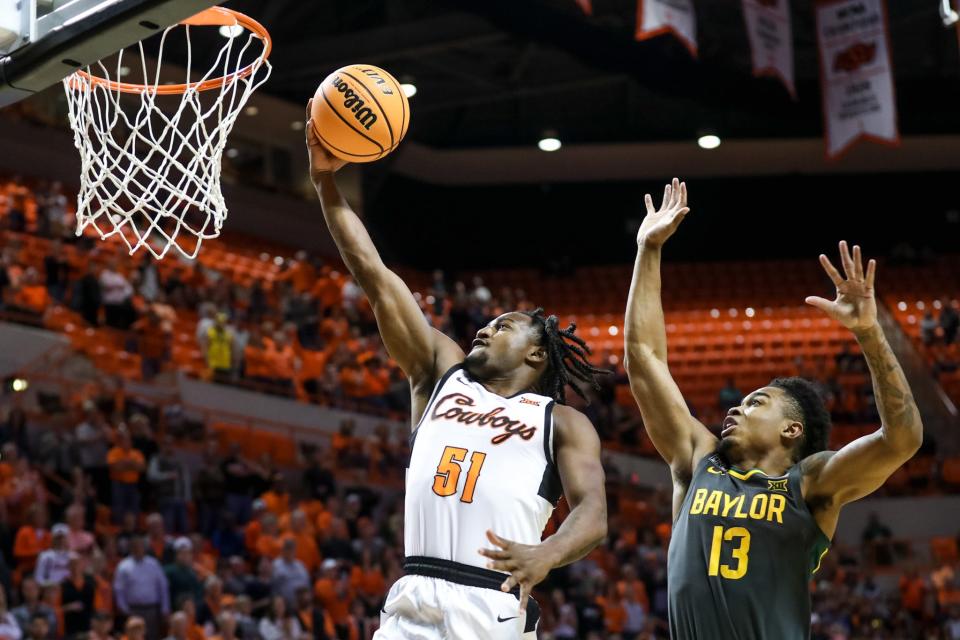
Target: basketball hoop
(150,166)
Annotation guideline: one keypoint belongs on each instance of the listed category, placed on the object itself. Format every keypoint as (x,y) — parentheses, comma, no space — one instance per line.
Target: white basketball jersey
(478,461)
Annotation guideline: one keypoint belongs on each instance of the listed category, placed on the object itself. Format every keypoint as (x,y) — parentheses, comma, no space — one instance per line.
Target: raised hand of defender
(321,160)
(659,224)
(527,564)
(855,306)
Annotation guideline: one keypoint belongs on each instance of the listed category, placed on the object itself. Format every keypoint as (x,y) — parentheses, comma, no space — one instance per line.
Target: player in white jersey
(493,447)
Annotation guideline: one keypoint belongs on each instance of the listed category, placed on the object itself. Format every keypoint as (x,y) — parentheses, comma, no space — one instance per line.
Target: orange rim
(214,16)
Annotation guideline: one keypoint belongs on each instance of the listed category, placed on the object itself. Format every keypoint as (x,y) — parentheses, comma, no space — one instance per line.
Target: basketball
(360,113)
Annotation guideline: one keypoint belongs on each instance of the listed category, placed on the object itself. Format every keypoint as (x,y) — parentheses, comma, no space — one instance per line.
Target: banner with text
(771,40)
(856,74)
(656,17)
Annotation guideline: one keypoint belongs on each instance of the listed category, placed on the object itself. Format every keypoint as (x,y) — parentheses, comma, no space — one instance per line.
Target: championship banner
(771,40)
(656,17)
(586,6)
(856,74)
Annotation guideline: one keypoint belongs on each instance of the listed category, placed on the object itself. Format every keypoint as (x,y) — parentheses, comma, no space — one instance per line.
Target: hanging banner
(656,17)
(856,74)
(771,40)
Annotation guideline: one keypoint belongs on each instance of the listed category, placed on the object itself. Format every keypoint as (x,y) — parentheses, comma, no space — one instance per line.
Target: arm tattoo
(898,411)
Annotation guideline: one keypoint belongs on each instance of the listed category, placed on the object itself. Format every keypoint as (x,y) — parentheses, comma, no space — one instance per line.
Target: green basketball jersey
(743,549)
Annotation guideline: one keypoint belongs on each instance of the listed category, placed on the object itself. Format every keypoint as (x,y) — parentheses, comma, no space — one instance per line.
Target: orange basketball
(360,113)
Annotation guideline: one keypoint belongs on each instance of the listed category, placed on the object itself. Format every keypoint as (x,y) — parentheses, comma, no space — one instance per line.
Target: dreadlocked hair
(567,358)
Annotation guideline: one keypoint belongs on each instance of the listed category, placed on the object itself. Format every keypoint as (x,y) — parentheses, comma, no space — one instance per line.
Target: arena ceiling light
(708,141)
(549,141)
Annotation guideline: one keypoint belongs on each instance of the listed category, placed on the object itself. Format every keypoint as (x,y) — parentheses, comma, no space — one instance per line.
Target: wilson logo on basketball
(355,103)
(493,418)
(855,56)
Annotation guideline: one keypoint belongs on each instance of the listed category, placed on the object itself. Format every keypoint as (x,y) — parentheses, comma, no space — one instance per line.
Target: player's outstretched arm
(863,465)
(679,437)
(421,351)
(577,451)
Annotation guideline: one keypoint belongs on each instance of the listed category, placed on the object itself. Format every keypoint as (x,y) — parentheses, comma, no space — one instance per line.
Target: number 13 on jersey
(448,473)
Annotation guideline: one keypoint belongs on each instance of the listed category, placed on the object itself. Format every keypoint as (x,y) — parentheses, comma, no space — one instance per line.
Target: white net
(150,160)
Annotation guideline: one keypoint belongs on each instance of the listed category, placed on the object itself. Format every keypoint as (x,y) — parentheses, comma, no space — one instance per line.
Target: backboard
(44,41)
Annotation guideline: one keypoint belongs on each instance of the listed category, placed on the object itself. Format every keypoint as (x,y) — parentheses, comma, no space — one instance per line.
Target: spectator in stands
(301,532)
(79,540)
(153,343)
(269,543)
(187,607)
(31,538)
(278,624)
(142,436)
(78,591)
(338,545)
(181,576)
(148,279)
(277,499)
(178,627)
(928,328)
(952,623)
(213,601)
(313,620)
(318,480)
(730,395)
(9,629)
(53,565)
(239,475)
(217,347)
(877,539)
(29,294)
(334,593)
(31,606)
(209,488)
(246,624)
(228,538)
(282,360)
(289,574)
(92,436)
(87,297)
(481,294)
(14,430)
(159,544)
(100,626)
(126,464)
(207,313)
(566,616)
(260,586)
(229,627)
(170,480)
(40,628)
(117,295)
(949,321)
(136,629)
(589,611)
(141,588)
(56,271)
(16,214)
